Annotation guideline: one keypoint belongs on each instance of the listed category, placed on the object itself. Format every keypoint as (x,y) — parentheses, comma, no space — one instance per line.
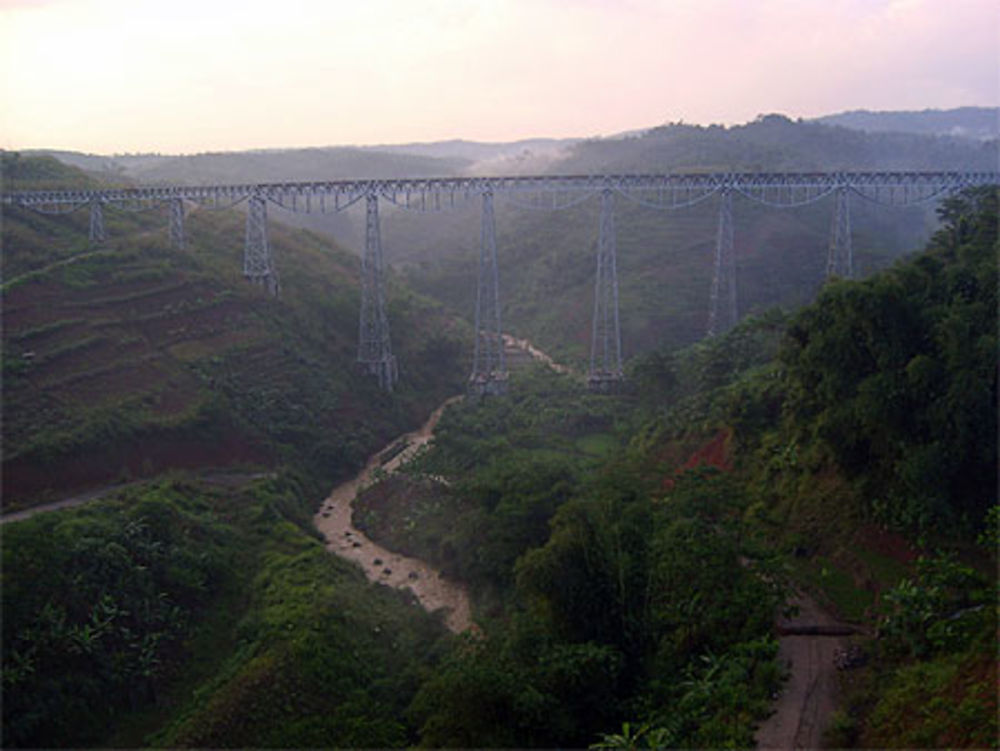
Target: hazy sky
(195,75)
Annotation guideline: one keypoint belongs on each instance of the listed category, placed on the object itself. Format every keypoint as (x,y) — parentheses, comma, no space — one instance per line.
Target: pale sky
(184,76)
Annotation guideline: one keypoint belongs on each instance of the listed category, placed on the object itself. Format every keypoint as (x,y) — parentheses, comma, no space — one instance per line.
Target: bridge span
(669,192)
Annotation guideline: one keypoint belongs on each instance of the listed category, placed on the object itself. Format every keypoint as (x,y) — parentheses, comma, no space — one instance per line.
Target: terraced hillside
(132,358)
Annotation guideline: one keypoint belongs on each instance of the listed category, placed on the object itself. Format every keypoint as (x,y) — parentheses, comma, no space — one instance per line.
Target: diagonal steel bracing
(606,340)
(374,346)
(723,312)
(489,369)
(840,256)
(177,223)
(97,234)
(665,191)
(258,264)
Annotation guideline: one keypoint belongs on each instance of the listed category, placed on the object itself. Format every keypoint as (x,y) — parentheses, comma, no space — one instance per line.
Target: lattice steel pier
(669,192)
(606,373)
(489,367)
(374,345)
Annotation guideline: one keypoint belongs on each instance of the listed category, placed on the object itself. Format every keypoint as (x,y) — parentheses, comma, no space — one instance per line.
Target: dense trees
(897,375)
(617,584)
(94,606)
(604,596)
(214,618)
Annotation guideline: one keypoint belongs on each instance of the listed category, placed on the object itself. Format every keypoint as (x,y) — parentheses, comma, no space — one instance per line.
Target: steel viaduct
(542,192)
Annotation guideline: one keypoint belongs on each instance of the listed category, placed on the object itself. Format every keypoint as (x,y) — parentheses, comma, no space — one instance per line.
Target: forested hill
(173,599)
(128,359)
(625,555)
(275,165)
(848,451)
(775,143)
(665,257)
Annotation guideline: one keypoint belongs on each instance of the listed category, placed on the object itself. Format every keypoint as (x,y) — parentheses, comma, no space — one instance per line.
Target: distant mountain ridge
(979,123)
(342,162)
(671,146)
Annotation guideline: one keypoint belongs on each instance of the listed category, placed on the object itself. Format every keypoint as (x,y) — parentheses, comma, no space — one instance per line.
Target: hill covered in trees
(665,257)
(127,359)
(626,555)
(166,606)
(848,450)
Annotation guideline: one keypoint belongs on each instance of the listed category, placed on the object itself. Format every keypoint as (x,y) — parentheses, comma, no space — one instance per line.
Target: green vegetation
(218,612)
(508,464)
(881,416)
(602,595)
(897,376)
(130,359)
(665,257)
(94,602)
(625,555)
(628,536)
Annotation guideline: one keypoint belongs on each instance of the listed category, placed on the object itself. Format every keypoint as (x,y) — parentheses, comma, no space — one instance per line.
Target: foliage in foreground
(897,376)
(878,412)
(604,594)
(217,618)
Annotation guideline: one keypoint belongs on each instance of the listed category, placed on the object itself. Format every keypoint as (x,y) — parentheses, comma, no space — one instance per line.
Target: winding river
(379,564)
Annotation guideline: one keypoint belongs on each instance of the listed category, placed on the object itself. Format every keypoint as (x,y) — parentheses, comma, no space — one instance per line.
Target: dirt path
(382,565)
(76,500)
(537,354)
(228,479)
(810,696)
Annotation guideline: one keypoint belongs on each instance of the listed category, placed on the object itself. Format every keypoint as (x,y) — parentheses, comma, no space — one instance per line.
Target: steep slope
(125,360)
(868,446)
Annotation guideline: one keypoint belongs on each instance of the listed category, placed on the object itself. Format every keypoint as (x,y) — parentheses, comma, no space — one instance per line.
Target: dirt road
(511,341)
(221,477)
(809,698)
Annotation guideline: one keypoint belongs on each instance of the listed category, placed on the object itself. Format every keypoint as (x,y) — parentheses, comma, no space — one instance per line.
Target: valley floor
(379,564)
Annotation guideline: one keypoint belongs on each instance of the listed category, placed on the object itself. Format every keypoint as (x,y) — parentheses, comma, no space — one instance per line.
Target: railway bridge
(663,192)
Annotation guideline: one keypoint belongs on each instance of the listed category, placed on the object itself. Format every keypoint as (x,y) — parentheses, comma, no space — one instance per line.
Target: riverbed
(381,565)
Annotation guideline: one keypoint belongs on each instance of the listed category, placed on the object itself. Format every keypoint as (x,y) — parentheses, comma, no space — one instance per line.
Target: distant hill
(979,123)
(272,165)
(474,150)
(509,157)
(775,142)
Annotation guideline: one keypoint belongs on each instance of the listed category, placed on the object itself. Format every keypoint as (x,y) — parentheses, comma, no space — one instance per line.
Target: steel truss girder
(902,188)
(489,367)
(672,191)
(723,312)
(374,346)
(606,371)
(258,263)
